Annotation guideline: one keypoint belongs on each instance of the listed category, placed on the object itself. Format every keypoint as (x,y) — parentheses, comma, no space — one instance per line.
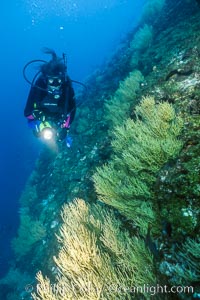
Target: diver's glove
(34,125)
(66,122)
(30,118)
(38,115)
(68,141)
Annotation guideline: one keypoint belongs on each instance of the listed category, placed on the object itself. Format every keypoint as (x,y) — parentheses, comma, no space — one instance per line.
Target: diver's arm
(36,94)
(69,106)
(30,102)
(72,105)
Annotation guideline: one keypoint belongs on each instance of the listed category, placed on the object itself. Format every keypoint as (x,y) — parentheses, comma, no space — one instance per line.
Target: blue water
(88,31)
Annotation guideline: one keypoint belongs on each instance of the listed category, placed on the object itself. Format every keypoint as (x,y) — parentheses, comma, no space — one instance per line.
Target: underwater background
(88,32)
(116,216)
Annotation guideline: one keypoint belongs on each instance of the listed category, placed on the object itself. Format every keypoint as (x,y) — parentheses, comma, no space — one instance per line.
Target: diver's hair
(55,66)
(50,51)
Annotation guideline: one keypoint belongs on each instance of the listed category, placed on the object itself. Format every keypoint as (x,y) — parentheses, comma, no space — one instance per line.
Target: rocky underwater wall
(116,216)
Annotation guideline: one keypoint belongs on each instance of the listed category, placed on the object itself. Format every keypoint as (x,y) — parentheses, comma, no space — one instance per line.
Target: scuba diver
(51,106)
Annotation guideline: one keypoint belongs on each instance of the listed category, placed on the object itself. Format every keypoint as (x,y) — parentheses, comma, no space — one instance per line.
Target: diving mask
(54,81)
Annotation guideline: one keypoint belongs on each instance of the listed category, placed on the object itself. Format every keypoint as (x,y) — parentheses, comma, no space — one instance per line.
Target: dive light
(46,131)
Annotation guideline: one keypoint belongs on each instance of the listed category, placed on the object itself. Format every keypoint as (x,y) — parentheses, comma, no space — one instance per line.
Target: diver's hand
(66,122)
(34,125)
(30,117)
(68,141)
(64,125)
(38,115)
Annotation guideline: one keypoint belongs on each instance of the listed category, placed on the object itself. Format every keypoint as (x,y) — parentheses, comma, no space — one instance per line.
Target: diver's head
(54,73)
(55,68)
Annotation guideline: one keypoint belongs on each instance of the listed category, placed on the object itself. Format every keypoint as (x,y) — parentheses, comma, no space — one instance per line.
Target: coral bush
(97,259)
(30,232)
(16,280)
(141,148)
(151,10)
(184,267)
(140,42)
(29,195)
(142,39)
(188,268)
(118,107)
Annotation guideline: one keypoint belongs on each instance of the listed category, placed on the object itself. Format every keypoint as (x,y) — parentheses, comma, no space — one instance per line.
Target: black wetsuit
(52,105)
